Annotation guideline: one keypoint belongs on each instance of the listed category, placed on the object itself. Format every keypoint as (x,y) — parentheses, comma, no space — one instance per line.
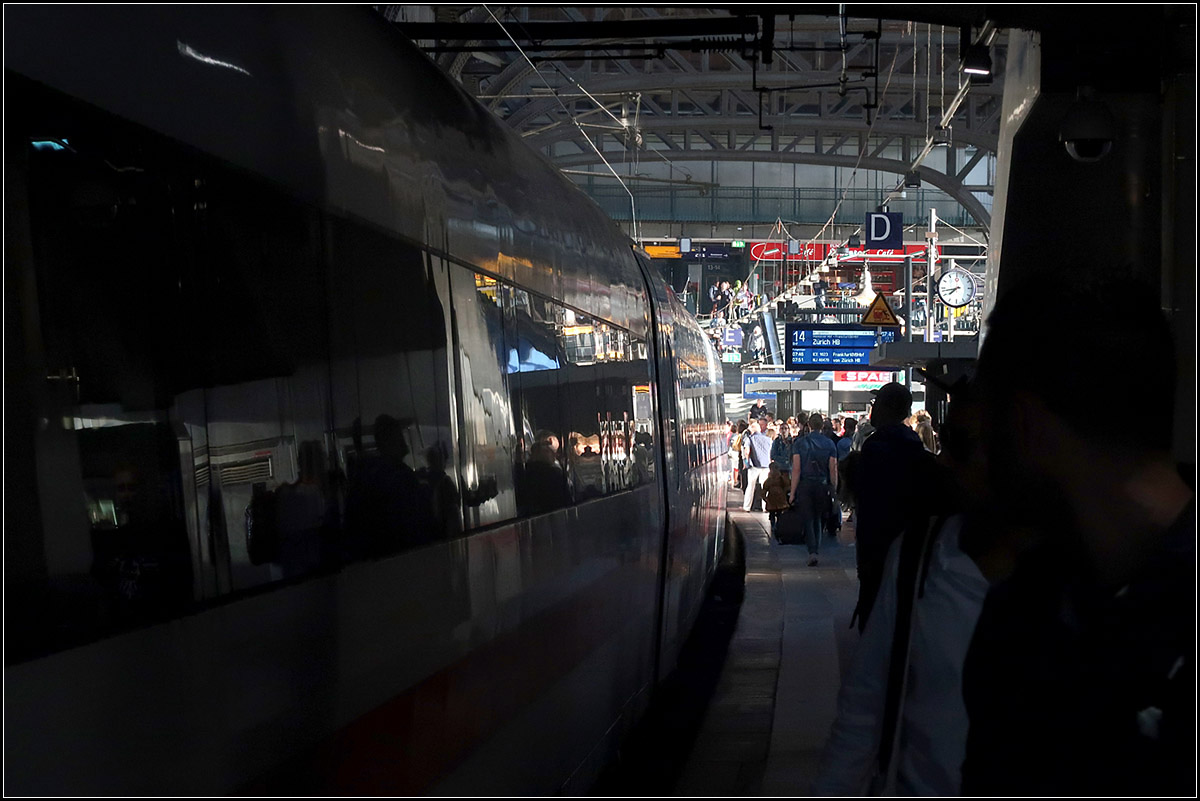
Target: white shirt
(933,725)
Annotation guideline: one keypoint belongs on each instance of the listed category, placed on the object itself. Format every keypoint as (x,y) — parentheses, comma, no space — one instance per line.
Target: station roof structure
(829,85)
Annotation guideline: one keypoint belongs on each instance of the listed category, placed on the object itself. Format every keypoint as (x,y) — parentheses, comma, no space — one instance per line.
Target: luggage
(789,527)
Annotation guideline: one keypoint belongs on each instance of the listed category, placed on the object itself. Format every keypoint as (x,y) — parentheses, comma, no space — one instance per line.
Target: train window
(616,405)
(391,399)
(642,428)
(486,431)
(173,329)
(582,341)
(535,363)
(260,417)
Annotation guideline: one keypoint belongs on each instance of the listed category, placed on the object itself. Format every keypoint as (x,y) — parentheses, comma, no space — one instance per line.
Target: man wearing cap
(893,489)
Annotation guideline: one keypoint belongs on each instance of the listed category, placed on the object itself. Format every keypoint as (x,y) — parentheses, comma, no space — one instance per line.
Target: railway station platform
(754,695)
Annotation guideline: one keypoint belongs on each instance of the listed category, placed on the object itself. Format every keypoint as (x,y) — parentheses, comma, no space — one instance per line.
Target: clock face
(956,288)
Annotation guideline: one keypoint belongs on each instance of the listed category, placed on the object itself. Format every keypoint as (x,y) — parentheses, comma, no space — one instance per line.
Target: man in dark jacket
(894,490)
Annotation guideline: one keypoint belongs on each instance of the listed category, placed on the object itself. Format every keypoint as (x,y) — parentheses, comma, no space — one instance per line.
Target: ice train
(349,447)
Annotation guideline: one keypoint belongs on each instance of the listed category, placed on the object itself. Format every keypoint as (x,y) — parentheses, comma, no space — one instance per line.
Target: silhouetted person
(891,489)
(901,725)
(302,513)
(542,484)
(1081,676)
(387,510)
(444,499)
(144,562)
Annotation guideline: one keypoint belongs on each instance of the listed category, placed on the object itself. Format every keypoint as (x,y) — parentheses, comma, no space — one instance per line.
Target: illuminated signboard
(860,380)
(836,337)
(811,346)
(663,251)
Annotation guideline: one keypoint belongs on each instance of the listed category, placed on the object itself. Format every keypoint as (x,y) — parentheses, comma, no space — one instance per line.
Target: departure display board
(812,346)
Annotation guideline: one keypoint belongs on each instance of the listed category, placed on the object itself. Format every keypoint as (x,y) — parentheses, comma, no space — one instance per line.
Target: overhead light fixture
(942,136)
(976,57)
(977,60)
(855,242)
(912,180)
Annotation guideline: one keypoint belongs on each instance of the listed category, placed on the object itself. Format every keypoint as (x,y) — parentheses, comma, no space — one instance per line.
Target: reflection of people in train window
(589,474)
(642,457)
(143,562)
(303,511)
(542,484)
(442,492)
(387,510)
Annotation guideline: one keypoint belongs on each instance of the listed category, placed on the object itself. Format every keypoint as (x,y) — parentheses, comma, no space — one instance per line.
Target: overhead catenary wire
(853,176)
(532,66)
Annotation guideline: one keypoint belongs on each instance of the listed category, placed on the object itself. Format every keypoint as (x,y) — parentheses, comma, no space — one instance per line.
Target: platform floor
(775,700)
(752,700)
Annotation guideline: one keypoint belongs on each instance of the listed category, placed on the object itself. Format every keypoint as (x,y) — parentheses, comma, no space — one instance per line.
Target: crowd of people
(1026,573)
(730,303)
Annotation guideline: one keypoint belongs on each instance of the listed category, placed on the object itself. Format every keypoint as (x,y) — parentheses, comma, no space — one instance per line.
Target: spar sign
(860,380)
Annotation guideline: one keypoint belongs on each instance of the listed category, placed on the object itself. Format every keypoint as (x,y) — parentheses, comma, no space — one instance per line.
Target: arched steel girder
(938,179)
(714,127)
(699,81)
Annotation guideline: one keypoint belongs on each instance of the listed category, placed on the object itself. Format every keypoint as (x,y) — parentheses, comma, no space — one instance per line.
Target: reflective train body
(349,448)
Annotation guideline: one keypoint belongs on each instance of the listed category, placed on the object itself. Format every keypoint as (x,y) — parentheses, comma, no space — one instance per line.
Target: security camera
(1089,130)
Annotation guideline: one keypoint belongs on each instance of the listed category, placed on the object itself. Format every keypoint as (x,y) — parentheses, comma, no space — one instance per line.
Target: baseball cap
(893,396)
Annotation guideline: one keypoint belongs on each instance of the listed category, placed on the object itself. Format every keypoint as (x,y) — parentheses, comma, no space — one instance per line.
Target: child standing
(776,488)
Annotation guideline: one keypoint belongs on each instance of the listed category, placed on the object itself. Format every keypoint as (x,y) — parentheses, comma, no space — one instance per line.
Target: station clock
(956,288)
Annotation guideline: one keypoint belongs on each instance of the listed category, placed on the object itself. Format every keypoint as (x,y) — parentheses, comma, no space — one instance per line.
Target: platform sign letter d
(885,230)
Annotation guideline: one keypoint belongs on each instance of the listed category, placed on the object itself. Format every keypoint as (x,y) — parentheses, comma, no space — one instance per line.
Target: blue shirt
(760,451)
(843,447)
(815,451)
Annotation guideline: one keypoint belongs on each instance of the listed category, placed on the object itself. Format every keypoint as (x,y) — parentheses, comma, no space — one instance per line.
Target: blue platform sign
(833,337)
(732,337)
(884,230)
(823,357)
(815,346)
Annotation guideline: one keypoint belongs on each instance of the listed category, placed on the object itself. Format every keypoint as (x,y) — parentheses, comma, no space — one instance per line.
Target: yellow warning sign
(880,313)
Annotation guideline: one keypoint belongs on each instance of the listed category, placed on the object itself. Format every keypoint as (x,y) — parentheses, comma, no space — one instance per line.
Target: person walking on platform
(757,450)
(781,451)
(1081,679)
(735,453)
(901,723)
(845,468)
(891,490)
(814,474)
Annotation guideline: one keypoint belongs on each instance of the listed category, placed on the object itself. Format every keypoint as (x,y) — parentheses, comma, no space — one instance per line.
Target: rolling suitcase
(789,528)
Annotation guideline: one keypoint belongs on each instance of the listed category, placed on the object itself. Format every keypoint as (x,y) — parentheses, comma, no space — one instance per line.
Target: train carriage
(350,448)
